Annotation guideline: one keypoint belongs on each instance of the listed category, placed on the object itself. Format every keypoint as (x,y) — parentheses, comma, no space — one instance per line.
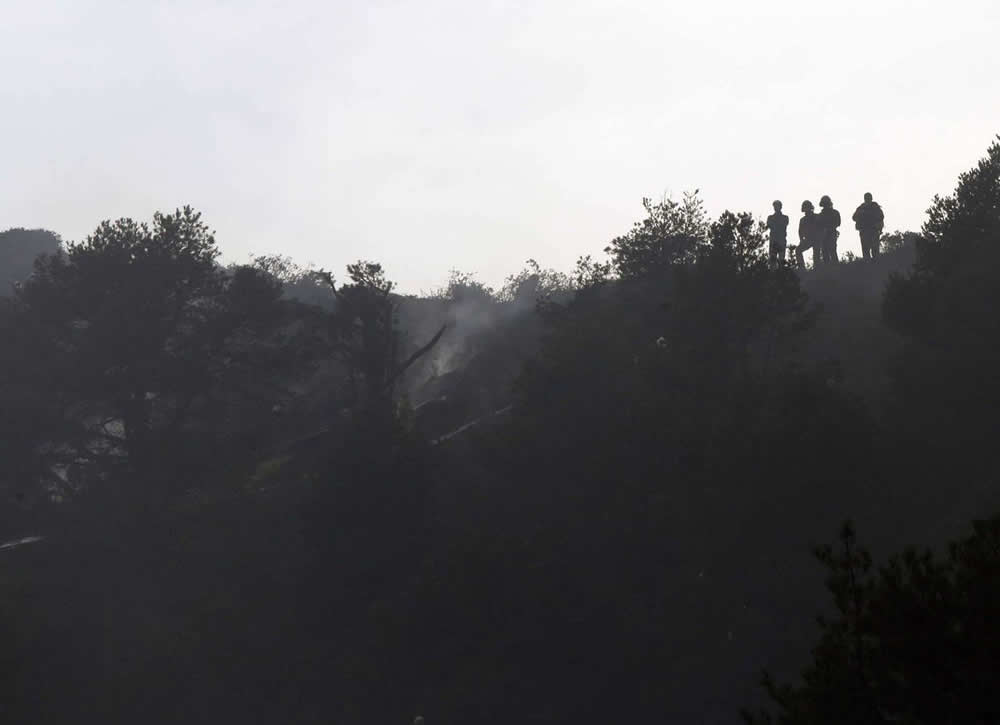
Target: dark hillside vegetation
(271,494)
(850,329)
(18,250)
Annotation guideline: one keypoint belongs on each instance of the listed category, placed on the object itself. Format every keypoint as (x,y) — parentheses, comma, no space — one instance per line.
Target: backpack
(869,216)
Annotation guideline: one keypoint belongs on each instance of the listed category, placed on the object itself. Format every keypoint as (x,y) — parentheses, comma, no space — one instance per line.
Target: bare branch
(418,354)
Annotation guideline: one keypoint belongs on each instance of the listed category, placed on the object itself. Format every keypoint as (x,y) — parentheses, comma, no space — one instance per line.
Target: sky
(448,134)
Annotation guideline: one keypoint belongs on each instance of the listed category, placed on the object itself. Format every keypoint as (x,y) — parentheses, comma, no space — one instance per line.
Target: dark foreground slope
(629,542)
(557,574)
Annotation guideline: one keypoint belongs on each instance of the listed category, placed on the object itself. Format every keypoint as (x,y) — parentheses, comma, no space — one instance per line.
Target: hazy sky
(454,134)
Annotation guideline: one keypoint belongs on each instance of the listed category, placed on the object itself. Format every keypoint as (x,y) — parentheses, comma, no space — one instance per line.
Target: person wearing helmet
(869,220)
(829,220)
(777,225)
(808,235)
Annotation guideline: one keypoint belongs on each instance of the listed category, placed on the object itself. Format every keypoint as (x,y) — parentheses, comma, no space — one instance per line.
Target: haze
(440,135)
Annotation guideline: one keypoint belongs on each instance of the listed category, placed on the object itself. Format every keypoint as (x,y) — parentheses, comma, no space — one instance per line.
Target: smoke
(481,320)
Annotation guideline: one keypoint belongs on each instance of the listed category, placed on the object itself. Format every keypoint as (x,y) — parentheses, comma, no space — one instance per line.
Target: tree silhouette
(137,325)
(912,643)
(945,309)
(19,248)
(366,337)
(670,233)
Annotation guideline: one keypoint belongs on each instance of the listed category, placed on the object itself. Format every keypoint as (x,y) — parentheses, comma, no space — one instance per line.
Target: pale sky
(476,134)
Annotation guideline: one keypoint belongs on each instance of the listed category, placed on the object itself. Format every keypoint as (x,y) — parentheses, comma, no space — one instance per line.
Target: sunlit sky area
(473,135)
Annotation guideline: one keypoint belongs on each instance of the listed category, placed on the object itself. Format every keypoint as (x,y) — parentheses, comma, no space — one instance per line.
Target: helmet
(868,196)
(825,201)
(807,205)
(776,205)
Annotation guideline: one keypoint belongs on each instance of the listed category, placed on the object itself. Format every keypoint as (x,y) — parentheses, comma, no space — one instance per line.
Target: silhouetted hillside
(272,494)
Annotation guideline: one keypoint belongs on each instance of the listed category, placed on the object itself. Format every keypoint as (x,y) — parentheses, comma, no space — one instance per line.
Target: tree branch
(418,354)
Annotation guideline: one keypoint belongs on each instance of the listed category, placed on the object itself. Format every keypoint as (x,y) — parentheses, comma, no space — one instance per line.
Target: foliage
(18,250)
(590,273)
(671,232)
(618,538)
(365,334)
(464,288)
(533,284)
(958,246)
(682,331)
(897,241)
(297,282)
(913,643)
(137,326)
(945,310)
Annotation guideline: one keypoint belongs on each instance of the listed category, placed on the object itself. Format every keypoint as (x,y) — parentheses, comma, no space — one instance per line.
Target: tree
(945,382)
(364,329)
(914,643)
(31,417)
(722,334)
(533,284)
(463,288)
(959,245)
(718,317)
(297,282)
(127,333)
(671,232)
(368,516)
(18,250)
(899,241)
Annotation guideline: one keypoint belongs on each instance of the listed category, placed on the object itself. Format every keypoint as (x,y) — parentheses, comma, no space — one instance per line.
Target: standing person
(829,220)
(869,220)
(809,237)
(777,225)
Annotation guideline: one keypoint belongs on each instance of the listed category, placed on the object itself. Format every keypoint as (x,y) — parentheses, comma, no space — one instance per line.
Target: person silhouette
(809,236)
(829,220)
(777,225)
(869,220)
